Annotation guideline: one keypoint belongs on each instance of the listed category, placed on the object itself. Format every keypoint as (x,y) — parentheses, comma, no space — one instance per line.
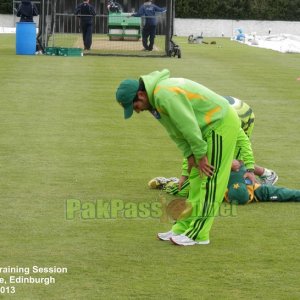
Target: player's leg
(152,30)
(145,35)
(88,36)
(207,193)
(274,193)
(84,31)
(204,197)
(191,209)
(213,190)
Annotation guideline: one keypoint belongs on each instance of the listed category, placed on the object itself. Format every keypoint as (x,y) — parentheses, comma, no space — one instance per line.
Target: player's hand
(235,166)
(191,163)
(250,176)
(205,167)
(182,179)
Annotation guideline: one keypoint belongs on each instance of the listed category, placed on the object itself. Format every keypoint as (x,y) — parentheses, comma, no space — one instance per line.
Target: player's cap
(125,95)
(238,192)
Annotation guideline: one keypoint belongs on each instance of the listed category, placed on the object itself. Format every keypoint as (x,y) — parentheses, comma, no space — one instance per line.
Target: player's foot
(160,182)
(270,179)
(166,236)
(183,240)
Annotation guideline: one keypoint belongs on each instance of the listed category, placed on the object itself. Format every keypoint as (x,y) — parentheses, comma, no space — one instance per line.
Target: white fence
(210,28)
(8,23)
(228,28)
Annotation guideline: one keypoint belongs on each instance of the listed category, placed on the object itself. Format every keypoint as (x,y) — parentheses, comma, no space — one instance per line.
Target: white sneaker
(269,180)
(158,182)
(183,240)
(166,236)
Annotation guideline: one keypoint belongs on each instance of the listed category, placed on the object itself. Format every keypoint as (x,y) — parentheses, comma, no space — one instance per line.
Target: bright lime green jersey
(188,110)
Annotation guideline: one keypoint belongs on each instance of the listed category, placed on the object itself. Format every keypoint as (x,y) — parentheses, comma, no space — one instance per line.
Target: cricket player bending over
(206,129)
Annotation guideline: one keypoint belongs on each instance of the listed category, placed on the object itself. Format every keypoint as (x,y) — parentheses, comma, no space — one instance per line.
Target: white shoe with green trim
(166,236)
(183,240)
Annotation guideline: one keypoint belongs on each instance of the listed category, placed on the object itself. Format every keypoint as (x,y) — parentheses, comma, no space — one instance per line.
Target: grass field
(63,141)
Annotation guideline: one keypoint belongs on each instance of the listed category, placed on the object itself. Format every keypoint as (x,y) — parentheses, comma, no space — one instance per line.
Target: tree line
(279,10)
(6,7)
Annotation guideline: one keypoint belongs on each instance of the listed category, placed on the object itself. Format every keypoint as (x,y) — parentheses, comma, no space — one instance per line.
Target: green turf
(62,137)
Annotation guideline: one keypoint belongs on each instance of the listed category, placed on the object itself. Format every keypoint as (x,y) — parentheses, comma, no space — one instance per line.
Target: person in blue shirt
(149,10)
(85,11)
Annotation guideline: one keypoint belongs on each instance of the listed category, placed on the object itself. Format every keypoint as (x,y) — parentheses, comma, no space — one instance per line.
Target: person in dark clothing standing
(85,11)
(149,10)
(26,11)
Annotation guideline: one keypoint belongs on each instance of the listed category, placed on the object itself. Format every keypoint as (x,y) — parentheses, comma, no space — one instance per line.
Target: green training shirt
(188,110)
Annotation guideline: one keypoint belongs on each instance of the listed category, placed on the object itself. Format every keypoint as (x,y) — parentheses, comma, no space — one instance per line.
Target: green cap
(125,95)
(238,192)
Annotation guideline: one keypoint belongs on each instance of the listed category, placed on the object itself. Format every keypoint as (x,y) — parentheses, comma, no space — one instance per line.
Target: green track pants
(275,193)
(206,193)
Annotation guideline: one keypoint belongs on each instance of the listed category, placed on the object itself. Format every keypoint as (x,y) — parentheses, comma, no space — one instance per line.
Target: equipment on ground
(195,39)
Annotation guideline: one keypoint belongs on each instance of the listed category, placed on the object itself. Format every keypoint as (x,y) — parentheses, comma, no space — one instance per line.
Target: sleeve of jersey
(179,110)
(159,9)
(140,12)
(35,11)
(19,11)
(184,169)
(77,10)
(92,11)
(244,144)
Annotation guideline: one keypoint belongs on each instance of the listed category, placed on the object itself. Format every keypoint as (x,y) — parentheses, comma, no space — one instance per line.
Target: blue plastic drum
(25,38)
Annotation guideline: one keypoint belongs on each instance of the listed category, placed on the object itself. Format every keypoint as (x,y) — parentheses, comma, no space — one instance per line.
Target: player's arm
(77,10)
(159,9)
(244,144)
(19,10)
(140,13)
(35,10)
(92,11)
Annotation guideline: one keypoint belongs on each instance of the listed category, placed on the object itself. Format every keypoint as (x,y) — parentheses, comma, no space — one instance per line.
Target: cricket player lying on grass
(243,191)
(247,117)
(240,190)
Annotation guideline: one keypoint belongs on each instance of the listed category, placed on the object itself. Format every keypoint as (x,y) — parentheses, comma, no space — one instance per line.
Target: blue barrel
(25,38)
